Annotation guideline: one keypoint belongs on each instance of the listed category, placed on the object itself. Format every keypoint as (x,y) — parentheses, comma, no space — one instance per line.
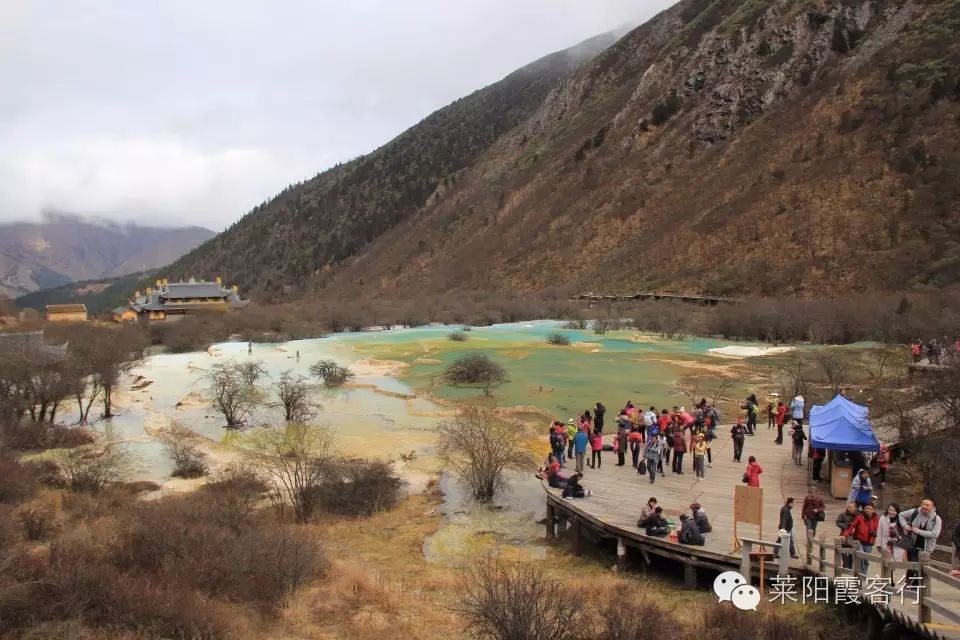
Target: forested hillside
(748,146)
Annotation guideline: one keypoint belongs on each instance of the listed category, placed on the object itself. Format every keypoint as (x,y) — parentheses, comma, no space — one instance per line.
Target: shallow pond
(394,402)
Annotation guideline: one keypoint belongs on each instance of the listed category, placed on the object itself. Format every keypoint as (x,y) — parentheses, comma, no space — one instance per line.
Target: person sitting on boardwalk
(646,511)
(699,515)
(751,476)
(689,533)
(653,461)
(573,488)
(655,524)
(739,434)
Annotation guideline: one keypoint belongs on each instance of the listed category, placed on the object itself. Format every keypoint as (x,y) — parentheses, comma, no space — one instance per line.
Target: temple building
(66,313)
(171,301)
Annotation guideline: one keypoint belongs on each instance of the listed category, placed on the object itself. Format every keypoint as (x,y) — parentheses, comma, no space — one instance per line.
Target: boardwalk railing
(829,559)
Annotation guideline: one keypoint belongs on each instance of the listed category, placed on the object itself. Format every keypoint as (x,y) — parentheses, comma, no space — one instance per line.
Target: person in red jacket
(781,419)
(752,472)
(864,530)
(679,448)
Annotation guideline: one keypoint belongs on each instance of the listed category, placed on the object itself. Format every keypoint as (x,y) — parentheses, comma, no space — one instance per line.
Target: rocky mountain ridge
(725,146)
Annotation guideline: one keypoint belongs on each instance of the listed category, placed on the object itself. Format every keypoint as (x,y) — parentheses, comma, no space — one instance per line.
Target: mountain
(63,249)
(727,146)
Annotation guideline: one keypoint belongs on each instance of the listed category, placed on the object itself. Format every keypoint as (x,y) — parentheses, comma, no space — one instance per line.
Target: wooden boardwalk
(619,493)
(655,295)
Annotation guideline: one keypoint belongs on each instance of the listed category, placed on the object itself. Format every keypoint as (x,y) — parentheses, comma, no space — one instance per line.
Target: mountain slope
(63,249)
(764,146)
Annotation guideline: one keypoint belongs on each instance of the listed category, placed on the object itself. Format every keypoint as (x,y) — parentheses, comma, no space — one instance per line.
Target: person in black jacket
(699,516)
(689,533)
(655,524)
(786,524)
(598,417)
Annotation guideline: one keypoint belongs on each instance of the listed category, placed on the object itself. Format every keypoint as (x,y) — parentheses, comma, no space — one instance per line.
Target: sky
(182,112)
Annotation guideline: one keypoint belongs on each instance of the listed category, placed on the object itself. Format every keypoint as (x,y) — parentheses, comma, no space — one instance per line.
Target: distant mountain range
(805,147)
(64,248)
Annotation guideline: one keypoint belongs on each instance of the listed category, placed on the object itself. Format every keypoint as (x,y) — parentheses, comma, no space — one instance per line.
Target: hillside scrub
(558,339)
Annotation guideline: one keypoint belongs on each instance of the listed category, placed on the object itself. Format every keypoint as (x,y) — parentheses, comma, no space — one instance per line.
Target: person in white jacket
(889,531)
(796,408)
(923,525)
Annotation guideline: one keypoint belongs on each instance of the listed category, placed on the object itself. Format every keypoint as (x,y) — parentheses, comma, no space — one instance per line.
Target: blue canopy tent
(841,425)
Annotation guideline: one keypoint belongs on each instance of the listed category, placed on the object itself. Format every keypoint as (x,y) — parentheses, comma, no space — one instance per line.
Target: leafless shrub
(182,446)
(292,461)
(638,617)
(517,601)
(358,487)
(457,336)
(92,469)
(38,519)
(293,393)
(834,368)
(233,389)
(558,339)
(330,373)
(478,448)
(18,482)
(729,623)
(578,324)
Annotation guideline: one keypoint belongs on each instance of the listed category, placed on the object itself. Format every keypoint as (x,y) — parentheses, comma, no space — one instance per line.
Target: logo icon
(725,583)
(746,597)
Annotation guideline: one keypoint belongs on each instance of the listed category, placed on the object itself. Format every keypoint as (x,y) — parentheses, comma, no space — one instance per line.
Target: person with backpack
(843,521)
(699,515)
(635,439)
(652,459)
(798,437)
(689,533)
(921,527)
(709,435)
(781,419)
(753,411)
(861,489)
(864,531)
(739,434)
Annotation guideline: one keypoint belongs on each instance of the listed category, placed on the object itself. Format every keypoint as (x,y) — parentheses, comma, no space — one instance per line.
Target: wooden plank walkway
(655,295)
(620,492)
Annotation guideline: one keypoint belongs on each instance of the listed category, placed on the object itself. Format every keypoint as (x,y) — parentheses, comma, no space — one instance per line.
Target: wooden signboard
(747,508)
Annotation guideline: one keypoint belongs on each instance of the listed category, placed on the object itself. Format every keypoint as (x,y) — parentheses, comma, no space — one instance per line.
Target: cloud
(181,112)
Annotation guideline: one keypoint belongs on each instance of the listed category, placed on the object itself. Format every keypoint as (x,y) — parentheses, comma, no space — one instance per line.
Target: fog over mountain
(194,113)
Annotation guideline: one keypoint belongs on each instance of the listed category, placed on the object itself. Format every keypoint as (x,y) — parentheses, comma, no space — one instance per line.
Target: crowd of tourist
(938,353)
(662,440)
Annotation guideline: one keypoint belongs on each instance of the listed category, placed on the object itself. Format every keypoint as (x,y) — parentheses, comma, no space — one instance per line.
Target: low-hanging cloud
(192,113)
